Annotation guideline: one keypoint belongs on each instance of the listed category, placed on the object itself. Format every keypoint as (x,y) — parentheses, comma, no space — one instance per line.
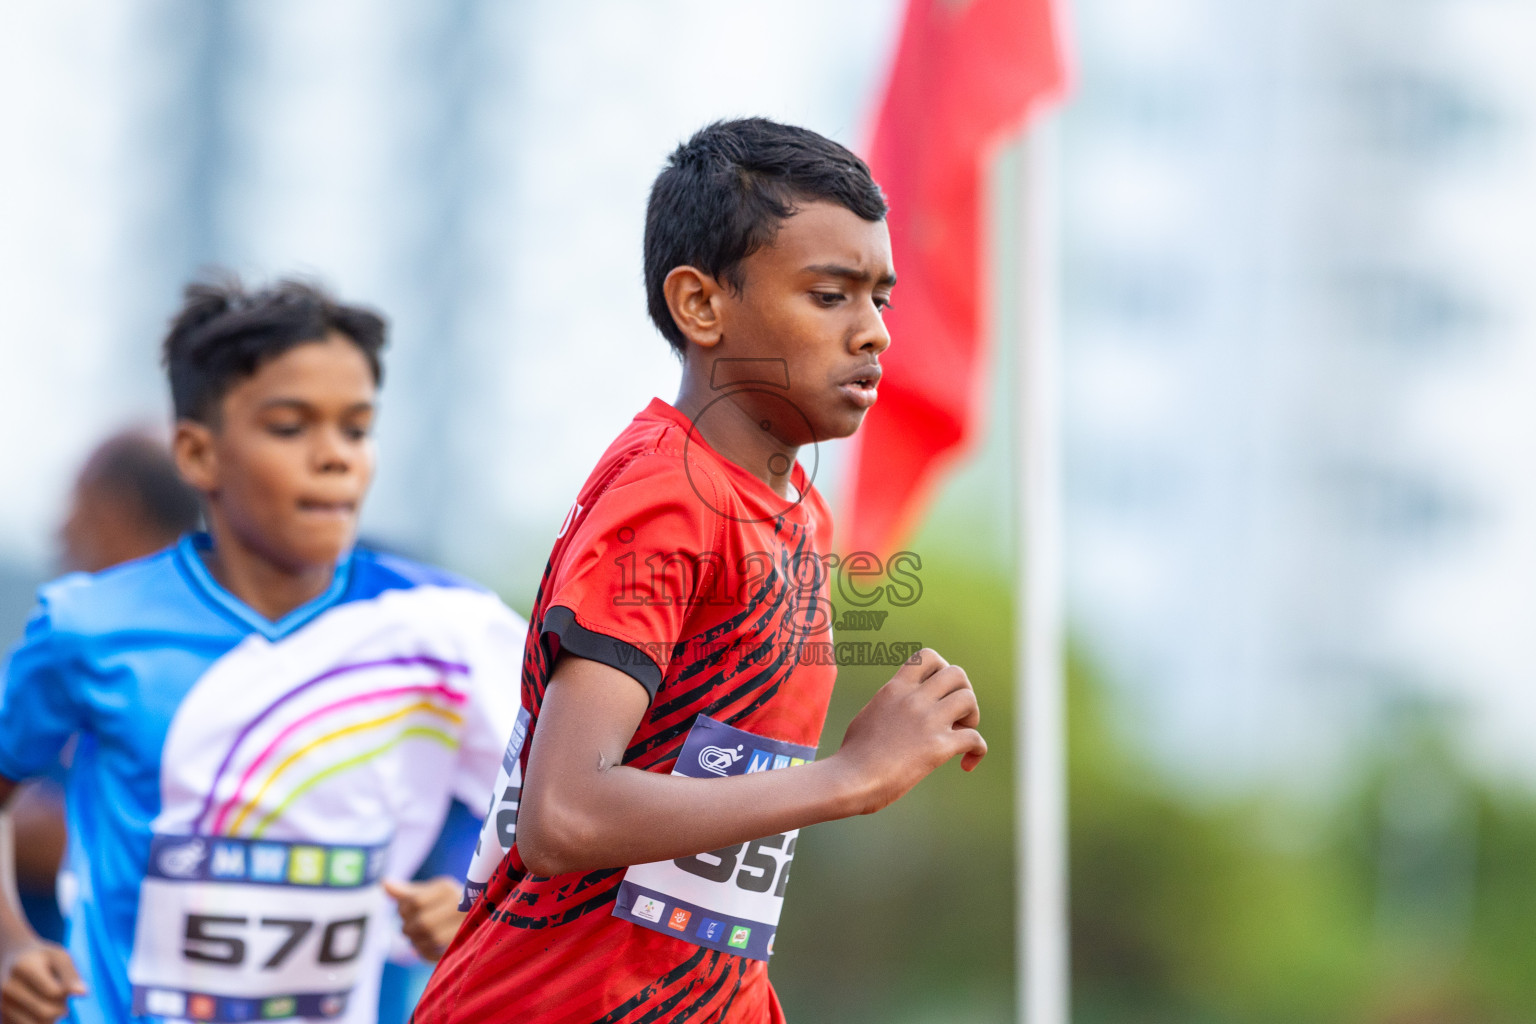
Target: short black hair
(225,332)
(724,193)
(138,469)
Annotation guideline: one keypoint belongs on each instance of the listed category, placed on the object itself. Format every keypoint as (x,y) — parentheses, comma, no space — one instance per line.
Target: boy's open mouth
(862,385)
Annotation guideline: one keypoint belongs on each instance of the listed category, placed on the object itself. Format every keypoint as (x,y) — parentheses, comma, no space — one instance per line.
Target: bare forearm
(626,816)
(15,932)
(583,809)
(37,820)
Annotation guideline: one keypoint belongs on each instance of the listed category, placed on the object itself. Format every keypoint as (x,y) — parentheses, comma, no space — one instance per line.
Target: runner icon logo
(183,860)
(718,760)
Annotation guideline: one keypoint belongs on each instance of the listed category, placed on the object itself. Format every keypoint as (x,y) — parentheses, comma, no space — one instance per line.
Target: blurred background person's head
(128,501)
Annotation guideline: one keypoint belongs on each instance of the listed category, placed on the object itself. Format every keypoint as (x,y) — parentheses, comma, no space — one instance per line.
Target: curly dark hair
(224,332)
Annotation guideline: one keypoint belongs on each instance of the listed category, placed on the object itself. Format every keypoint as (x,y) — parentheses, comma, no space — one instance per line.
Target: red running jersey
(689,574)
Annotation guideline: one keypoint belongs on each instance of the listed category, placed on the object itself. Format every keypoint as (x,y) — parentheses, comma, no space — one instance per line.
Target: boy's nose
(332,454)
(873,338)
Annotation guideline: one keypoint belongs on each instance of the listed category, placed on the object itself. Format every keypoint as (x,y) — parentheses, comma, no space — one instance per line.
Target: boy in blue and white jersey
(272,723)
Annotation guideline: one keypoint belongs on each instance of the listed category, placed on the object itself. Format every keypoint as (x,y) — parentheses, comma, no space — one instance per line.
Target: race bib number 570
(239,930)
(728,899)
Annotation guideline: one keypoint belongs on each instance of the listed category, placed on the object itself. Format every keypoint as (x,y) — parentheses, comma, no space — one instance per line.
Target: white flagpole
(1039,695)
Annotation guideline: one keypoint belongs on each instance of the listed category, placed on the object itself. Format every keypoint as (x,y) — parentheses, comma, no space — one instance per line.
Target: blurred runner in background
(127,502)
(272,720)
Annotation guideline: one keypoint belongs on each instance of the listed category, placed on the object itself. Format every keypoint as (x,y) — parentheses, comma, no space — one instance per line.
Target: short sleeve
(635,566)
(495,651)
(38,713)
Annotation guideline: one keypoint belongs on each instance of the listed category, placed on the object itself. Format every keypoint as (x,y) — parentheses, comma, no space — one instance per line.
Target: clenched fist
(39,982)
(429,912)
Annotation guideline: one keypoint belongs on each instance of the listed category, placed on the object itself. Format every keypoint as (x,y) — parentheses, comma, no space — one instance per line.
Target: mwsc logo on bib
(718,760)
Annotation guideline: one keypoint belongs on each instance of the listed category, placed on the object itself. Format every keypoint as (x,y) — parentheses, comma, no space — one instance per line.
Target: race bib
(500,829)
(729,899)
(240,929)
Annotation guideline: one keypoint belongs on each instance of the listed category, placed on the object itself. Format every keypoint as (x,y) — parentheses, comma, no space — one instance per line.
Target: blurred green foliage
(906,915)
(1403,896)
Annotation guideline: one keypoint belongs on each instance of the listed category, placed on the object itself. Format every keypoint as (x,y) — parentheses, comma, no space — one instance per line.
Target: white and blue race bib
(728,899)
(499,831)
(237,930)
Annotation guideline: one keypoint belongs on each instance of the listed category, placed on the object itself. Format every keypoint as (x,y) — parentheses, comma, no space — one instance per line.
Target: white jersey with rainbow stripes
(240,787)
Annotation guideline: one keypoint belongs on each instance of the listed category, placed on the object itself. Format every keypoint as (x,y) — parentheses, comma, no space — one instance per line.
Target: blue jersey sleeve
(38,713)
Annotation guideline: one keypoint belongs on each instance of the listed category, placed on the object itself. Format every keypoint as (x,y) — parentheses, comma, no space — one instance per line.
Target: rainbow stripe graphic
(424,711)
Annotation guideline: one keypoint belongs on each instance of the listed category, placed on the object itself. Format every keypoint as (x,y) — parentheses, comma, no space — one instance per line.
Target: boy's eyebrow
(299,403)
(887,279)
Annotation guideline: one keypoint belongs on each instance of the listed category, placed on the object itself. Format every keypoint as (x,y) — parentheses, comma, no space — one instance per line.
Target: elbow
(554,841)
(542,855)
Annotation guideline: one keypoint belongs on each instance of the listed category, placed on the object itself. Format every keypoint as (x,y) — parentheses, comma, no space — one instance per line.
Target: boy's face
(285,468)
(813,299)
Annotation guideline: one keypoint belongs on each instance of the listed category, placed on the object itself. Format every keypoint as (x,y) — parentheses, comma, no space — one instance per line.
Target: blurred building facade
(1295,235)
(151,141)
(477,169)
(1300,355)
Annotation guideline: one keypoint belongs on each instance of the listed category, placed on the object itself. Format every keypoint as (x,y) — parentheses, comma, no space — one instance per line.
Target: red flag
(966,74)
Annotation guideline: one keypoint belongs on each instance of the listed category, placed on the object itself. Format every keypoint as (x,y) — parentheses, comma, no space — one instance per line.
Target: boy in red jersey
(637,849)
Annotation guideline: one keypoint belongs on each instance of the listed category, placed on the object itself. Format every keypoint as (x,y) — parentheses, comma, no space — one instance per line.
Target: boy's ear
(196,460)
(696,300)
